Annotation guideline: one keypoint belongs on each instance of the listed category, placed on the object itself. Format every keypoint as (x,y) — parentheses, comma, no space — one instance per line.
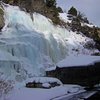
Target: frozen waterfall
(28,47)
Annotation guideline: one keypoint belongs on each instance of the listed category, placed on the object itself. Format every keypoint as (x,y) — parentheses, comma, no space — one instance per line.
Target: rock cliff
(1,19)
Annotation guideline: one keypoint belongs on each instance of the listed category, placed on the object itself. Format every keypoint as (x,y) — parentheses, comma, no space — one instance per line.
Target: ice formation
(28,47)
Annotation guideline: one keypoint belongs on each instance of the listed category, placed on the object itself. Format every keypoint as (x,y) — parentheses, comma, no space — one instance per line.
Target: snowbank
(44,80)
(44,94)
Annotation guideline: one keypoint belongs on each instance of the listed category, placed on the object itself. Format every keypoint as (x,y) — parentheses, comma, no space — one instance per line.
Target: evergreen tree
(51,3)
(59,9)
(72,11)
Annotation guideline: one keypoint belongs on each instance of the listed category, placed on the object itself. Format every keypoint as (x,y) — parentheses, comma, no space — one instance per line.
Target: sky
(91,8)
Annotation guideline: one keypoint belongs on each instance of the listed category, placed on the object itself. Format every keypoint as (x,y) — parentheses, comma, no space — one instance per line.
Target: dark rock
(96,54)
(38,6)
(2,23)
(30,85)
(53,84)
(40,85)
(96,96)
(33,85)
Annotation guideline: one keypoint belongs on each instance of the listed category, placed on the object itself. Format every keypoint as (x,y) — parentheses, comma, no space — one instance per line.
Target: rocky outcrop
(41,85)
(87,29)
(81,24)
(28,5)
(38,6)
(83,75)
(1,19)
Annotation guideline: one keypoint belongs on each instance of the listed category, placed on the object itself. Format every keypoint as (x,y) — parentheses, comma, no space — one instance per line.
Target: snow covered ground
(44,94)
(21,92)
(63,16)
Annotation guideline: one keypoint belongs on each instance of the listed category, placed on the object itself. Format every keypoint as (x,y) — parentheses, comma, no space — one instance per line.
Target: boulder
(33,85)
(42,85)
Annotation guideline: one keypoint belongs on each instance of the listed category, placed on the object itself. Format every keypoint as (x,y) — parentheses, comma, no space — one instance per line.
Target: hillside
(52,12)
(47,8)
(21,32)
(35,37)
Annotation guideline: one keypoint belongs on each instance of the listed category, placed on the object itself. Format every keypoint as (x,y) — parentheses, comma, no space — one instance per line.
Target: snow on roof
(80,60)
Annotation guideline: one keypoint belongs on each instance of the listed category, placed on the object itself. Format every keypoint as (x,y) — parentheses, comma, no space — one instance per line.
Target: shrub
(1,11)
(90,45)
(82,17)
(86,20)
(5,86)
(8,1)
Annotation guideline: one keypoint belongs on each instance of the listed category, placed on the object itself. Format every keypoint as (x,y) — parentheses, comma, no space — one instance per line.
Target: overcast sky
(91,8)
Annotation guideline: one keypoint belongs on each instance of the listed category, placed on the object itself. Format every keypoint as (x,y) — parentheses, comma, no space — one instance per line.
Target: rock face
(29,5)
(85,28)
(38,6)
(83,75)
(1,19)
(41,85)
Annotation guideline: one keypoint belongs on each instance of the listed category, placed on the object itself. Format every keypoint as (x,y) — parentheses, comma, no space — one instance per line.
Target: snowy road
(80,96)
